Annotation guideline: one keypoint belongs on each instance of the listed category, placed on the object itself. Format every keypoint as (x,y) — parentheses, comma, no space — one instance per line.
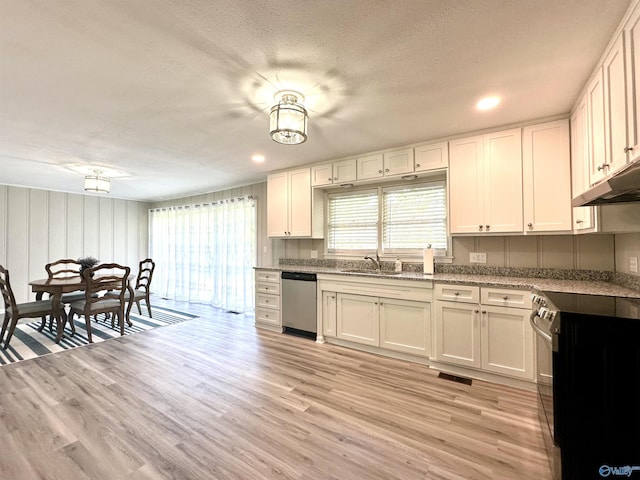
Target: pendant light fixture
(288,119)
(96,183)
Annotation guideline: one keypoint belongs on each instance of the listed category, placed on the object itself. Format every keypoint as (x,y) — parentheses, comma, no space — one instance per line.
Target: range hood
(621,187)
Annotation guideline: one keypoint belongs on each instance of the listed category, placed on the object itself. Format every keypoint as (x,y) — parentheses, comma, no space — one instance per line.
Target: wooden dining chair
(15,311)
(143,282)
(105,293)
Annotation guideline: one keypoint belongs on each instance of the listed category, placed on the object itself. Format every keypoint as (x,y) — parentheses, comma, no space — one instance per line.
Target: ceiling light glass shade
(96,183)
(288,121)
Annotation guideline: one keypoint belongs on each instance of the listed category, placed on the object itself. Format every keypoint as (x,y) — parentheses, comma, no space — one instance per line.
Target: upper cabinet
(431,156)
(370,166)
(384,164)
(583,217)
(546,177)
(336,172)
(290,203)
(632,51)
(485,187)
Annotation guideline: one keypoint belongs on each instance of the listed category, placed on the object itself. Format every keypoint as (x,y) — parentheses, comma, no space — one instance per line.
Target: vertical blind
(392,220)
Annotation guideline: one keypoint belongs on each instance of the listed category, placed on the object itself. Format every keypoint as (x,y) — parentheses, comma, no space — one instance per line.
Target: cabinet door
(632,38)
(465,186)
(507,341)
(405,326)
(345,171)
(370,166)
(329,311)
(583,218)
(431,156)
(502,187)
(398,162)
(546,177)
(277,204)
(457,333)
(595,108)
(300,203)
(322,175)
(615,107)
(357,319)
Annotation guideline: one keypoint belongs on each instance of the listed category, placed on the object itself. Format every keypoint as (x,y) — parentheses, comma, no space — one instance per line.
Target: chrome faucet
(376,262)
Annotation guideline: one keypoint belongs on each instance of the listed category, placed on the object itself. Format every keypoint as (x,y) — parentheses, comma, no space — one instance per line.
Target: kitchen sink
(369,272)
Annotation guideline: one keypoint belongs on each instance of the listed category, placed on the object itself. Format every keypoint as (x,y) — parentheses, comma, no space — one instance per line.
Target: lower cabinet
(399,321)
(493,334)
(268,299)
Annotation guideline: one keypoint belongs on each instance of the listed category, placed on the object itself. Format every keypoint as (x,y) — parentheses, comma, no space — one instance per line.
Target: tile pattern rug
(28,343)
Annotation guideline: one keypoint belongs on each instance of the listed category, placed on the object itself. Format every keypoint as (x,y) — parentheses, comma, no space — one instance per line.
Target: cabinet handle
(486,227)
(417,165)
(628,149)
(386,170)
(603,166)
(480,227)
(379,171)
(530,225)
(579,221)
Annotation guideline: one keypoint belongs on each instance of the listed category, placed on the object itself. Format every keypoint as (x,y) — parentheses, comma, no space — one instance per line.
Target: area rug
(28,343)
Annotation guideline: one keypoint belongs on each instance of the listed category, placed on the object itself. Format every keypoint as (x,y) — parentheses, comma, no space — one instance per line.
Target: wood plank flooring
(214,398)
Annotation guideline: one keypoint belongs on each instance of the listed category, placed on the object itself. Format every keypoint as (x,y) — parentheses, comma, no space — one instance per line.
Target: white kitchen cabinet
(493,335)
(293,209)
(596,128)
(583,217)
(405,326)
(431,156)
(632,51)
(485,184)
(378,165)
(615,107)
(358,319)
(268,300)
(546,177)
(370,166)
(328,313)
(337,172)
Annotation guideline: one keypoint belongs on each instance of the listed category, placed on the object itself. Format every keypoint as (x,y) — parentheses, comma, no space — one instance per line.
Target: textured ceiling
(174,95)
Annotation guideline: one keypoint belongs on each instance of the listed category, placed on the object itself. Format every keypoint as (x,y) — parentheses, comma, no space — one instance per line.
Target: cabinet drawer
(268,276)
(505,297)
(269,288)
(268,316)
(267,301)
(457,293)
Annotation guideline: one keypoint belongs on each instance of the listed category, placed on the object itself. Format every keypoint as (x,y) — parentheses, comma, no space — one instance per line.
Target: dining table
(56,287)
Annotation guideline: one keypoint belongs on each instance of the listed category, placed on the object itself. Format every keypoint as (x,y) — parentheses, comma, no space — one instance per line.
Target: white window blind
(352,222)
(413,217)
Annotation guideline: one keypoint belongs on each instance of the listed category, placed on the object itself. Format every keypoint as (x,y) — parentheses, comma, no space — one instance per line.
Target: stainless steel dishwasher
(299,303)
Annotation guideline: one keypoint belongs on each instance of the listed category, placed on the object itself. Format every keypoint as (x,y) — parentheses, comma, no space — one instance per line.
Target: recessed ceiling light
(258,158)
(488,103)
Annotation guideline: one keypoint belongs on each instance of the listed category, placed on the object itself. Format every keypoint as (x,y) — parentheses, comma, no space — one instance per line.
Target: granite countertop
(588,287)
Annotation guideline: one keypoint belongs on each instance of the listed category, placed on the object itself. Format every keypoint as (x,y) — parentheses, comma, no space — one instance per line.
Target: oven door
(544,379)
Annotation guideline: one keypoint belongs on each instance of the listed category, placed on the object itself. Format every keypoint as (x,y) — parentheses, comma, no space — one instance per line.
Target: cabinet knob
(530,225)
(379,171)
(484,312)
(480,227)
(335,178)
(505,298)
(386,169)
(476,311)
(486,227)
(329,178)
(417,165)
(628,149)
(456,293)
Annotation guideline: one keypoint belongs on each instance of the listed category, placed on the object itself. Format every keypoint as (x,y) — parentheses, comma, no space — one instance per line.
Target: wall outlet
(633,264)
(314,254)
(475,257)
(265,249)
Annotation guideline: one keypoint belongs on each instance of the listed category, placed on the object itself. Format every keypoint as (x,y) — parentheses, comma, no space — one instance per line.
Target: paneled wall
(582,252)
(267,254)
(39,226)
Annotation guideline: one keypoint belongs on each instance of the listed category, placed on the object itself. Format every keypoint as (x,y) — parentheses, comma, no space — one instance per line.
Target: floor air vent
(454,378)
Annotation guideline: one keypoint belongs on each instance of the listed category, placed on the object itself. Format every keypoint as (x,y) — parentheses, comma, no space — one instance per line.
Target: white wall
(40,226)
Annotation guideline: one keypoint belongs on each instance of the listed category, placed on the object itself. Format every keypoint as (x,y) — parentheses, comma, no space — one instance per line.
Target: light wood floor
(214,398)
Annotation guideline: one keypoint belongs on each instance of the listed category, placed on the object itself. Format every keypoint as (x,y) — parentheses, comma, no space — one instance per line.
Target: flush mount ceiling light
(288,119)
(96,183)
(488,103)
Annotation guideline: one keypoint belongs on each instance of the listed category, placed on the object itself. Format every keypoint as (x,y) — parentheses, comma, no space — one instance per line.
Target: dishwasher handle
(303,277)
